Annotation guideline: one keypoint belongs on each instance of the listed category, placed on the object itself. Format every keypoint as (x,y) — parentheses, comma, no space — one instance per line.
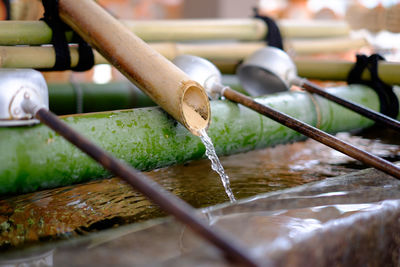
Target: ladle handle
(367,112)
(315,133)
(168,202)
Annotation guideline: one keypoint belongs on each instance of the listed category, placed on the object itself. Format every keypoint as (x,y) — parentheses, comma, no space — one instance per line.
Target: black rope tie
(86,56)
(273,37)
(389,104)
(60,43)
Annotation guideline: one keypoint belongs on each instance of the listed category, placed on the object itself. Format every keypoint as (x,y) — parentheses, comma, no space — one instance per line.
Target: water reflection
(76,210)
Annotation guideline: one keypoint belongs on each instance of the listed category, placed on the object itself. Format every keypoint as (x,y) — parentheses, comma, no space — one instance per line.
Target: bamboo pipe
(174,91)
(37,32)
(165,200)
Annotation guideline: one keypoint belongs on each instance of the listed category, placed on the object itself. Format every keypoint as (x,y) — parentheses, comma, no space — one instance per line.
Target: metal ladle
(271,70)
(205,73)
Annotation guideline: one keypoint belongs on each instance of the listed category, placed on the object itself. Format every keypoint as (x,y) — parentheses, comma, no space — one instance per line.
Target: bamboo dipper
(180,96)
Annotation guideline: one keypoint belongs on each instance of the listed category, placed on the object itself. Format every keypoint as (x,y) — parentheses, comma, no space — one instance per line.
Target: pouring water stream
(206,74)
(216,164)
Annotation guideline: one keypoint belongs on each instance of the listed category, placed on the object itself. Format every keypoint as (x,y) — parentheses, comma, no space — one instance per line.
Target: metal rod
(168,202)
(367,112)
(314,133)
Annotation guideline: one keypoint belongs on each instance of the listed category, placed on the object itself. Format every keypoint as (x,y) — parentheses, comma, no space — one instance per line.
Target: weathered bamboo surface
(34,158)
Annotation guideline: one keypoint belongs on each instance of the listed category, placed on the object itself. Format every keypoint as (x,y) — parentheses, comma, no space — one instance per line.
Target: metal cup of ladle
(15,86)
(203,72)
(268,70)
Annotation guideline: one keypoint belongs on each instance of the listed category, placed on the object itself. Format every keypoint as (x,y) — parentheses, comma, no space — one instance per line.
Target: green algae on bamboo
(35,157)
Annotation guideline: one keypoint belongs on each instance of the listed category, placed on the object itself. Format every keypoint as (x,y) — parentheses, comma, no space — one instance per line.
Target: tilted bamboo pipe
(173,90)
(37,32)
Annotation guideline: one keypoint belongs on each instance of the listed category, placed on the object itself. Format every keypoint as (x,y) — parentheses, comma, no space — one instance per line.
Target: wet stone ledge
(351,220)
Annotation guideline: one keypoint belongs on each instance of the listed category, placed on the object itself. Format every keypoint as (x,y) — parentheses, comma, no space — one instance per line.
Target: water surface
(76,210)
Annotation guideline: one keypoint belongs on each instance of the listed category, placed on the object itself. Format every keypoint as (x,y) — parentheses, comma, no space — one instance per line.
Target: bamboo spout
(168,86)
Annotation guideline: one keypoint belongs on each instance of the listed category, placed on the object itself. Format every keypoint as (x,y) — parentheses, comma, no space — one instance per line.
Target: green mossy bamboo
(34,158)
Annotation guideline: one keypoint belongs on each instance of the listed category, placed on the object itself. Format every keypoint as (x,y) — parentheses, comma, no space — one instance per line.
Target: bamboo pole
(37,32)
(323,69)
(327,45)
(313,28)
(64,98)
(199,29)
(168,86)
(31,56)
(37,57)
(33,158)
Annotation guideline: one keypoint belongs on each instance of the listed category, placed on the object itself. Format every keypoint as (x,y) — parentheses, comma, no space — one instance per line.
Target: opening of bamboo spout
(195,108)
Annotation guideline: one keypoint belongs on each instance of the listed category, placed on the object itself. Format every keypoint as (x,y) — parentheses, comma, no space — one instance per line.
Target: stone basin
(347,220)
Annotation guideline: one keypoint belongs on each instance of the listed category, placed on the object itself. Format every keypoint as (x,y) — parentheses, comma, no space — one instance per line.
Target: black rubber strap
(86,56)
(60,43)
(273,37)
(389,104)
